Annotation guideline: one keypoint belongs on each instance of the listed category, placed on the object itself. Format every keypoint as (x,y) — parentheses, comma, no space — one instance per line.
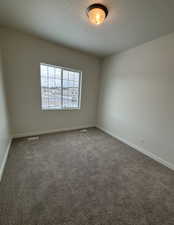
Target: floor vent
(35,138)
(83,131)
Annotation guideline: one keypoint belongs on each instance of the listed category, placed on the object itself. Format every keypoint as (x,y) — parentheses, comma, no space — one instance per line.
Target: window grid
(60,87)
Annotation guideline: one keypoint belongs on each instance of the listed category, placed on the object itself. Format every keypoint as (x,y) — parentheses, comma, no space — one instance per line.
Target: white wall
(4,123)
(136,100)
(22,57)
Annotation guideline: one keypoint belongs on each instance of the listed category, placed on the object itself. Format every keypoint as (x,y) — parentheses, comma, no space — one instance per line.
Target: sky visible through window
(60,88)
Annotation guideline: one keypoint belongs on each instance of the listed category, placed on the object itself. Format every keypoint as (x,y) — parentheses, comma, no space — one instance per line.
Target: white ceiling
(129,23)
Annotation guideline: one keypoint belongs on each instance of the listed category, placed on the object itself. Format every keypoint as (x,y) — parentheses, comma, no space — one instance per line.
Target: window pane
(71,89)
(76,77)
(71,75)
(58,73)
(50,87)
(60,88)
(65,74)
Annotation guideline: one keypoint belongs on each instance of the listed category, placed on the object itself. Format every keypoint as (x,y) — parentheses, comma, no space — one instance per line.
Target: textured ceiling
(129,23)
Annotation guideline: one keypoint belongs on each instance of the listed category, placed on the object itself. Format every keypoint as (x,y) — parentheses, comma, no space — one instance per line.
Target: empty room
(87,112)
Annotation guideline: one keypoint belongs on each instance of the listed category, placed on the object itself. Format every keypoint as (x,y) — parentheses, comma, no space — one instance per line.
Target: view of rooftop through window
(60,87)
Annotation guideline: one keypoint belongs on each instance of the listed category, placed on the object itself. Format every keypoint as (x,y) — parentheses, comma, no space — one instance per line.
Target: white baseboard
(27,134)
(5,159)
(140,149)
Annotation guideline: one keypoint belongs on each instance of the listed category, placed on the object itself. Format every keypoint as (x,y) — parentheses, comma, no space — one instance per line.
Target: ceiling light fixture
(97,13)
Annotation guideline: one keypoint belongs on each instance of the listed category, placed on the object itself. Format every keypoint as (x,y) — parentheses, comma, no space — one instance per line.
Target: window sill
(63,109)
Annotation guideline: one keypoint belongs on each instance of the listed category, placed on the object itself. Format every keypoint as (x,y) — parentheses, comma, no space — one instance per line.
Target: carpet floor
(75,178)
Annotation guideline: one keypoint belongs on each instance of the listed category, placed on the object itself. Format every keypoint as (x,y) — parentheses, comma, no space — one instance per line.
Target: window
(60,87)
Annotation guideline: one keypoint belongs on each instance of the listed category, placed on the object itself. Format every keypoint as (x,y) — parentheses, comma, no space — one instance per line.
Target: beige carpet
(75,178)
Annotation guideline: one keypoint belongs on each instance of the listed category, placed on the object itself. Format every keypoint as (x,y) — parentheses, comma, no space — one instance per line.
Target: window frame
(79,93)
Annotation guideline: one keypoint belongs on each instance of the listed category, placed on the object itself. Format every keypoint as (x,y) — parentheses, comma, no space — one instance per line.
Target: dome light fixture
(97,13)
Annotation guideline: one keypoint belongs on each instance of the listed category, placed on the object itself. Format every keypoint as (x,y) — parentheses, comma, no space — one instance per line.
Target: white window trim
(80,88)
